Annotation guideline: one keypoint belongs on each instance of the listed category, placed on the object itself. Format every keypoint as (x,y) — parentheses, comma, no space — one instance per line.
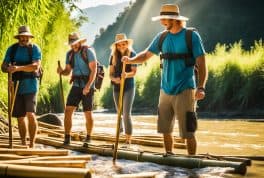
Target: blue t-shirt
(80,67)
(28,85)
(176,77)
(129,82)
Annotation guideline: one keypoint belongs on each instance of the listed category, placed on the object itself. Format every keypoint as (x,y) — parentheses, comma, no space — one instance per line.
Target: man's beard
(169,27)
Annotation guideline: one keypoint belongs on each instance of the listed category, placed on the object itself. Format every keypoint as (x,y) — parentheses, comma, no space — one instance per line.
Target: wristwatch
(201,88)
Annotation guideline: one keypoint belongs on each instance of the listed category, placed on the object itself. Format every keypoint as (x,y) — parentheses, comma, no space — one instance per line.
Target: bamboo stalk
(49,126)
(46,163)
(138,141)
(50,132)
(119,111)
(22,152)
(180,161)
(7,137)
(9,91)
(42,172)
(61,88)
(138,175)
(14,157)
(60,158)
(3,145)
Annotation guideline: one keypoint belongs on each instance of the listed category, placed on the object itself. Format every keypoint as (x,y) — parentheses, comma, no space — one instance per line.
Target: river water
(222,137)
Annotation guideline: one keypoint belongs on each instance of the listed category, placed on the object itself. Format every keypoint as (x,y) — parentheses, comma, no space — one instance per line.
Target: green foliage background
(236,76)
(50,23)
(235,83)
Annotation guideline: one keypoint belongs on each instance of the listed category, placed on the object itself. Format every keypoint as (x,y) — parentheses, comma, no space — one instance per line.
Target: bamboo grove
(50,22)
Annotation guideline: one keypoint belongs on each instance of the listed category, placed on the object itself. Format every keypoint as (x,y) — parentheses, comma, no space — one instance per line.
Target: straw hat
(120,38)
(74,38)
(170,11)
(23,31)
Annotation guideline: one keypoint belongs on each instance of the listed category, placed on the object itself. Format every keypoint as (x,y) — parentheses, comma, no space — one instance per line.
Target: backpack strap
(188,38)
(162,38)
(188,57)
(30,51)
(14,49)
(83,54)
(71,58)
(13,52)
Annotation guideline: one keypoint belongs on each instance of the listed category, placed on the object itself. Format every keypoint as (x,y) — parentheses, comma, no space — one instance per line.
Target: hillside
(217,21)
(99,17)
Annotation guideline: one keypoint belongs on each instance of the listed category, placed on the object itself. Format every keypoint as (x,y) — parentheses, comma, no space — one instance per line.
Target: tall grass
(50,23)
(236,81)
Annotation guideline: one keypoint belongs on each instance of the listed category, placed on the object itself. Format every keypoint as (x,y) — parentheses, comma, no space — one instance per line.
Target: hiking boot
(87,139)
(67,140)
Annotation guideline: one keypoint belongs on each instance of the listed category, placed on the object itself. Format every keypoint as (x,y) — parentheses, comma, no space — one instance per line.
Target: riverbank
(257,115)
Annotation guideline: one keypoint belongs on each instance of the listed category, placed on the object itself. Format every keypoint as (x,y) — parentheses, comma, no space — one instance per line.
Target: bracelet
(201,88)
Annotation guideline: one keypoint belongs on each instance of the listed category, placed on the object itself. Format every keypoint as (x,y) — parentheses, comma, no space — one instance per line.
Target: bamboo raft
(24,162)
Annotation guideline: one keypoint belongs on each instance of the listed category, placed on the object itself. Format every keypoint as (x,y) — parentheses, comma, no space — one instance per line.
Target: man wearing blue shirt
(179,91)
(23,59)
(81,61)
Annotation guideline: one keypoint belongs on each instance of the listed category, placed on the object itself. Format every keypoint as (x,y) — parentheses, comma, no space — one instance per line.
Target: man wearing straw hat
(179,91)
(23,60)
(83,76)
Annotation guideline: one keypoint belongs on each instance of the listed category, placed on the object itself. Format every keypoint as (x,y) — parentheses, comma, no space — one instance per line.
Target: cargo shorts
(176,107)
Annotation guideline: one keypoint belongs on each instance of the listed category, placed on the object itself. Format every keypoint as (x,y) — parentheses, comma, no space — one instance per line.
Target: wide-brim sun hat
(74,38)
(170,11)
(23,31)
(120,38)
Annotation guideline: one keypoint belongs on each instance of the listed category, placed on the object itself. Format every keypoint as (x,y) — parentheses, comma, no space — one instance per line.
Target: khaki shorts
(173,107)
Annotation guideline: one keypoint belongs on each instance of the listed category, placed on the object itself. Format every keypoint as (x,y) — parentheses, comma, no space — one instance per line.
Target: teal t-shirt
(80,67)
(28,85)
(176,77)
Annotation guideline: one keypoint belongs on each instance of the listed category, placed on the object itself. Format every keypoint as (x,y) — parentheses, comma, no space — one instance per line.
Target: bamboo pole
(50,132)
(47,163)
(141,156)
(9,91)
(7,170)
(61,89)
(138,175)
(3,145)
(49,126)
(119,112)
(14,157)
(14,97)
(24,152)
(61,158)
(142,141)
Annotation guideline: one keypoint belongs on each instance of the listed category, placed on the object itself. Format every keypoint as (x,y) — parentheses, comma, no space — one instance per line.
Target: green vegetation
(236,76)
(50,23)
(226,24)
(236,81)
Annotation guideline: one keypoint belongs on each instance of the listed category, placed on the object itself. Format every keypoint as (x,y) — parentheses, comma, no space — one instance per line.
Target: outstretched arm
(139,58)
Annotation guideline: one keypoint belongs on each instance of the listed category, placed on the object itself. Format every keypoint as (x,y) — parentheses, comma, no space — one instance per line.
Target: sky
(91,3)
